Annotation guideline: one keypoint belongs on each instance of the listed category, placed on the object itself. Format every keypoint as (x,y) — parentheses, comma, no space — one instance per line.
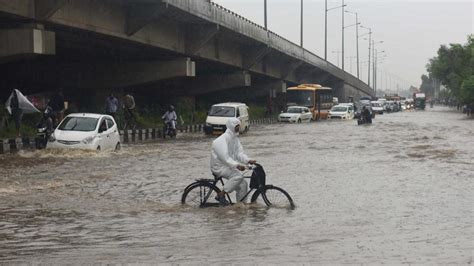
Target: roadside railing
(127,136)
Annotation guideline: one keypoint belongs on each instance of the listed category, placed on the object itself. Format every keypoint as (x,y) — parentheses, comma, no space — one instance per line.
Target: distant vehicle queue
(321,104)
(305,103)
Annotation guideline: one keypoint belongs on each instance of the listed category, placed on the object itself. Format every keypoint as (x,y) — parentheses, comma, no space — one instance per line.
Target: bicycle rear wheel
(277,197)
(200,194)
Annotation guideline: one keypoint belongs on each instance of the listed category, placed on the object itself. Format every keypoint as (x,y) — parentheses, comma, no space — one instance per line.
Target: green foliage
(257,112)
(467,90)
(427,85)
(453,66)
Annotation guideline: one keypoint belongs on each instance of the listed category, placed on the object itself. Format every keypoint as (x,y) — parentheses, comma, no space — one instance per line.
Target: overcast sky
(411,31)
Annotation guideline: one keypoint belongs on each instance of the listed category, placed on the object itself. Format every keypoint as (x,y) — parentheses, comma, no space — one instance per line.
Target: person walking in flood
(228,160)
(17,113)
(129,112)
(57,104)
(17,105)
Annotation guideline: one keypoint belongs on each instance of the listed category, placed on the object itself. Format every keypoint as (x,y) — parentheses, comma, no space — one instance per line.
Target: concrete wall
(166,28)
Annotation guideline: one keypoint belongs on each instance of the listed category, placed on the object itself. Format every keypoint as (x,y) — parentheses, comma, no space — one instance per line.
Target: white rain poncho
(227,154)
(25,105)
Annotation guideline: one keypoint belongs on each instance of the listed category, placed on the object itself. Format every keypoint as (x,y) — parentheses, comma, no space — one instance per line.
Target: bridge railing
(298,51)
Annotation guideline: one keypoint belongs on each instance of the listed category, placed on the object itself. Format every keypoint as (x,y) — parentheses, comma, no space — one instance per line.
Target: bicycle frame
(213,183)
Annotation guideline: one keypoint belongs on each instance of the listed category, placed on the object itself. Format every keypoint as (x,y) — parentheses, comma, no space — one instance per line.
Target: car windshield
(294,110)
(300,97)
(339,109)
(78,124)
(222,111)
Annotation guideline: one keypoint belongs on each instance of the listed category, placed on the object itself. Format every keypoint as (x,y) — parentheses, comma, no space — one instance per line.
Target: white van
(219,114)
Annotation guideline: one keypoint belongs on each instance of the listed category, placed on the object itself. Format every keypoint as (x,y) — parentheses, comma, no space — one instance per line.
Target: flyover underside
(141,44)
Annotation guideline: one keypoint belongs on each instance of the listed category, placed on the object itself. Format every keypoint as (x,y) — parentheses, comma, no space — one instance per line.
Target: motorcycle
(44,129)
(170,129)
(364,120)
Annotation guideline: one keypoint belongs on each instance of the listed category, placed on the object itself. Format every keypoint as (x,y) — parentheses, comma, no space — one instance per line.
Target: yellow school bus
(314,96)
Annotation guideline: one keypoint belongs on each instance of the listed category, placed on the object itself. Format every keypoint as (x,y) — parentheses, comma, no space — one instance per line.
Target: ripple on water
(360,191)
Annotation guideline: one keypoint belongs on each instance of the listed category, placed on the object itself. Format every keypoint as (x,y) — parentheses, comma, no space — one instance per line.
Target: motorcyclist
(366,115)
(228,160)
(45,127)
(170,118)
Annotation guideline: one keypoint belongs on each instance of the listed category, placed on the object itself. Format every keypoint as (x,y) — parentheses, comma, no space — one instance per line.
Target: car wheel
(98,148)
(118,146)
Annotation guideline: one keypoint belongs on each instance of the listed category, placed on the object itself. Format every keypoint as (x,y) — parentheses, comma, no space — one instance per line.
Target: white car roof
(295,106)
(231,104)
(89,115)
(346,104)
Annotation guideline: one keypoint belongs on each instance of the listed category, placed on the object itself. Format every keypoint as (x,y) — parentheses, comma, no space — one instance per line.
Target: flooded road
(398,191)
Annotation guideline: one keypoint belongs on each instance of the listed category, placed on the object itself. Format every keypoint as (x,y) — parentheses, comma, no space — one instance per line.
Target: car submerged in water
(86,131)
(342,112)
(296,114)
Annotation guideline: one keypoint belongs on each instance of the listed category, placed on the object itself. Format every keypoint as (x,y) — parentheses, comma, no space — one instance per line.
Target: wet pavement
(398,191)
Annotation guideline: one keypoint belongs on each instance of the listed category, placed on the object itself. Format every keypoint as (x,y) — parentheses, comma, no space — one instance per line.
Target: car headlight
(88,140)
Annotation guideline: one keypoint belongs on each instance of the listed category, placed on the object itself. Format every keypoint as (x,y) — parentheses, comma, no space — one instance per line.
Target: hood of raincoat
(231,124)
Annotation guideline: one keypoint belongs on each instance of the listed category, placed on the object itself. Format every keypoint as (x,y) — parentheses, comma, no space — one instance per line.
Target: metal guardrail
(128,136)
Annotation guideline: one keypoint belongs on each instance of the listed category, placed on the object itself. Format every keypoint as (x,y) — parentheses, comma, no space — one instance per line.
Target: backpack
(258,177)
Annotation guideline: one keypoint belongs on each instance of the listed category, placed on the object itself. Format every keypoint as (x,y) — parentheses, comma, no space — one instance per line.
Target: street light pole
(342,34)
(326,27)
(326,30)
(374,52)
(265,13)
(301,43)
(376,65)
(375,72)
(370,40)
(357,39)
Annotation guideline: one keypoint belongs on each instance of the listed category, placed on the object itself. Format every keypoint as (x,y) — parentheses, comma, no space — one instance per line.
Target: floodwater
(398,191)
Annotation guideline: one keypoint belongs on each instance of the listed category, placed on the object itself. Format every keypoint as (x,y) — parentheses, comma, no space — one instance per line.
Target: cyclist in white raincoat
(228,160)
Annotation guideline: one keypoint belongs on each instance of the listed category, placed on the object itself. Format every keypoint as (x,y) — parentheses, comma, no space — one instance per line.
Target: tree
(467,90)
(453,66)
(427,85)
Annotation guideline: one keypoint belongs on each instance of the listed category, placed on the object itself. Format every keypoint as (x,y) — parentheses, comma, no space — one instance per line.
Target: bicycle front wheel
(200,194)
(277,197)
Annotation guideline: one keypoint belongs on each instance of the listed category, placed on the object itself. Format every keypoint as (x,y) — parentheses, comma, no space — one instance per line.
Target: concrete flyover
(177,47)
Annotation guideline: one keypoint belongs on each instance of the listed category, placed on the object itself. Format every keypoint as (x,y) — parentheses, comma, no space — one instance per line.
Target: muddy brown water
(398,191)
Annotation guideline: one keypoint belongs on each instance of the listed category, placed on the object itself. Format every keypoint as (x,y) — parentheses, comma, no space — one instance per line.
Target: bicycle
(202,192)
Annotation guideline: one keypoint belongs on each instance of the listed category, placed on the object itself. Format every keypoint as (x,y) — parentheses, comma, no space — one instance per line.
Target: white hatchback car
(296,114)
(343,112)
(86,131)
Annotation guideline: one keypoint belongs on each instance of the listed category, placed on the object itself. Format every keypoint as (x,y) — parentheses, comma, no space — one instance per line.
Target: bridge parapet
(224,17)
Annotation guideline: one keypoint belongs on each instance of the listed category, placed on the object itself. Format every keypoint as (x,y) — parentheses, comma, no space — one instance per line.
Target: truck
(420,100)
